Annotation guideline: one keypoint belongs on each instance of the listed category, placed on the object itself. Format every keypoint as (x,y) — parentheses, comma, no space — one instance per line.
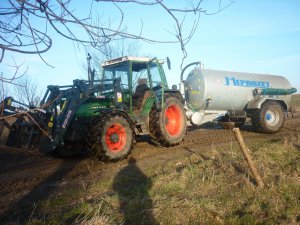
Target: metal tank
(206,89)
(230,97)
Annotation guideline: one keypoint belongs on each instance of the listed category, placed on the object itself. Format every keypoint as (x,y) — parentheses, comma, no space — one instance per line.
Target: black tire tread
(255,120)
(96,149)
(258,118)
(156,133)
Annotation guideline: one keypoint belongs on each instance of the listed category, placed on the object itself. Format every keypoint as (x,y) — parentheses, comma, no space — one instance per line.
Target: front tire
(269,119)
(112,137)
(168,125)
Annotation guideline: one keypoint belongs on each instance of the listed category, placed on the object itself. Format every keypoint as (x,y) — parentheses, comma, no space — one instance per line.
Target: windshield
(118,71)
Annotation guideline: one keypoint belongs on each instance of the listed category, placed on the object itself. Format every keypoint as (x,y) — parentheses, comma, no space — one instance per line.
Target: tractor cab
(139,78)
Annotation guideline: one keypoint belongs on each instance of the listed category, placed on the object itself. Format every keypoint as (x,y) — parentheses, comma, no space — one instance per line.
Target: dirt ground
(27,177)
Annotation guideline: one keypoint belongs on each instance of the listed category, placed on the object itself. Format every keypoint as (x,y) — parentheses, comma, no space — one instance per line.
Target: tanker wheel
(227,122)
(269,119)
(168,125)
(112,137)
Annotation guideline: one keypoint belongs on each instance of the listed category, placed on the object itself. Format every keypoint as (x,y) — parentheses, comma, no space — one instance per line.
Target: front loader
(104,116)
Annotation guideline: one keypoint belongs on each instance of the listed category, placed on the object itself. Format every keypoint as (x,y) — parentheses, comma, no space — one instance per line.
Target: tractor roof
(127,58)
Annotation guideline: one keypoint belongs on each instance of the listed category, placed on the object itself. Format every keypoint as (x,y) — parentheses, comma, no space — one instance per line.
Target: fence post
(247,156)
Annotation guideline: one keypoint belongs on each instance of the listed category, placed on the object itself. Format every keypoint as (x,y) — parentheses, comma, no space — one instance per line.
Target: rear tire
(112,137)
(269,119)
(168,125)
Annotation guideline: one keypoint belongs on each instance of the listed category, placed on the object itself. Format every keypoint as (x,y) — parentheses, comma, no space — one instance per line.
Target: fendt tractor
(132,98)
(101,116)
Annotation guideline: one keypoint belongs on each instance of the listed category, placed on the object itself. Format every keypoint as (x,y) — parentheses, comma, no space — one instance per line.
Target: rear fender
(161,98)
(130,120)
(176,94)
(257,103)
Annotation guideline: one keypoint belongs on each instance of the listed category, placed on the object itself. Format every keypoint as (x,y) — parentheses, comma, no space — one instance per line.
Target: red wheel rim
(173,120)
(115,137)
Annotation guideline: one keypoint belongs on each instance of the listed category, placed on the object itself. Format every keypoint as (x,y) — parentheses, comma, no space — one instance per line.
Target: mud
(28,177)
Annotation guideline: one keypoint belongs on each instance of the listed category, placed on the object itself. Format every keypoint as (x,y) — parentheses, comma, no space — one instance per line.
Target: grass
(295,100)
(210,185)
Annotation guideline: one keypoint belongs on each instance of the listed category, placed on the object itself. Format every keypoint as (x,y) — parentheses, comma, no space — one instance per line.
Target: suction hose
(181,84)
(187,66)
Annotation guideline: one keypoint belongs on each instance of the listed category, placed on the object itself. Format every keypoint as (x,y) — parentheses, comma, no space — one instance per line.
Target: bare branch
(24,24)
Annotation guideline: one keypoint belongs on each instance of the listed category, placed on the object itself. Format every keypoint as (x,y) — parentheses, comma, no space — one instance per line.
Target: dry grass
(210,185)
(215,187)
(295,104)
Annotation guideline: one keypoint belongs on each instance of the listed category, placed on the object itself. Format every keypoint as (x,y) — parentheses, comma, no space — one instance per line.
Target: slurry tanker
(231,97)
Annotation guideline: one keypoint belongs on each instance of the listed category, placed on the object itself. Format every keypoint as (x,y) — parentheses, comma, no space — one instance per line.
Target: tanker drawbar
(231,97)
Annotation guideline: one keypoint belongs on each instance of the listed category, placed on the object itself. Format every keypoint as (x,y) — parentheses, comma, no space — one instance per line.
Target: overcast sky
(261,36)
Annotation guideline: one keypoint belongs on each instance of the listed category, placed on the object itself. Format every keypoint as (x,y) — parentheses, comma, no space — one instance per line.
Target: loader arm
(70,100)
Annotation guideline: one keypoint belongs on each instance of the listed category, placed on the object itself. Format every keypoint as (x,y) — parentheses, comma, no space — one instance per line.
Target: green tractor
(104,116)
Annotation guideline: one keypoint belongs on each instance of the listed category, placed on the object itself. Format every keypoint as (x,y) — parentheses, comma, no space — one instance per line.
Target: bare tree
(8,80)
(117,49)
(111,50)
(26,91)
(25,24)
